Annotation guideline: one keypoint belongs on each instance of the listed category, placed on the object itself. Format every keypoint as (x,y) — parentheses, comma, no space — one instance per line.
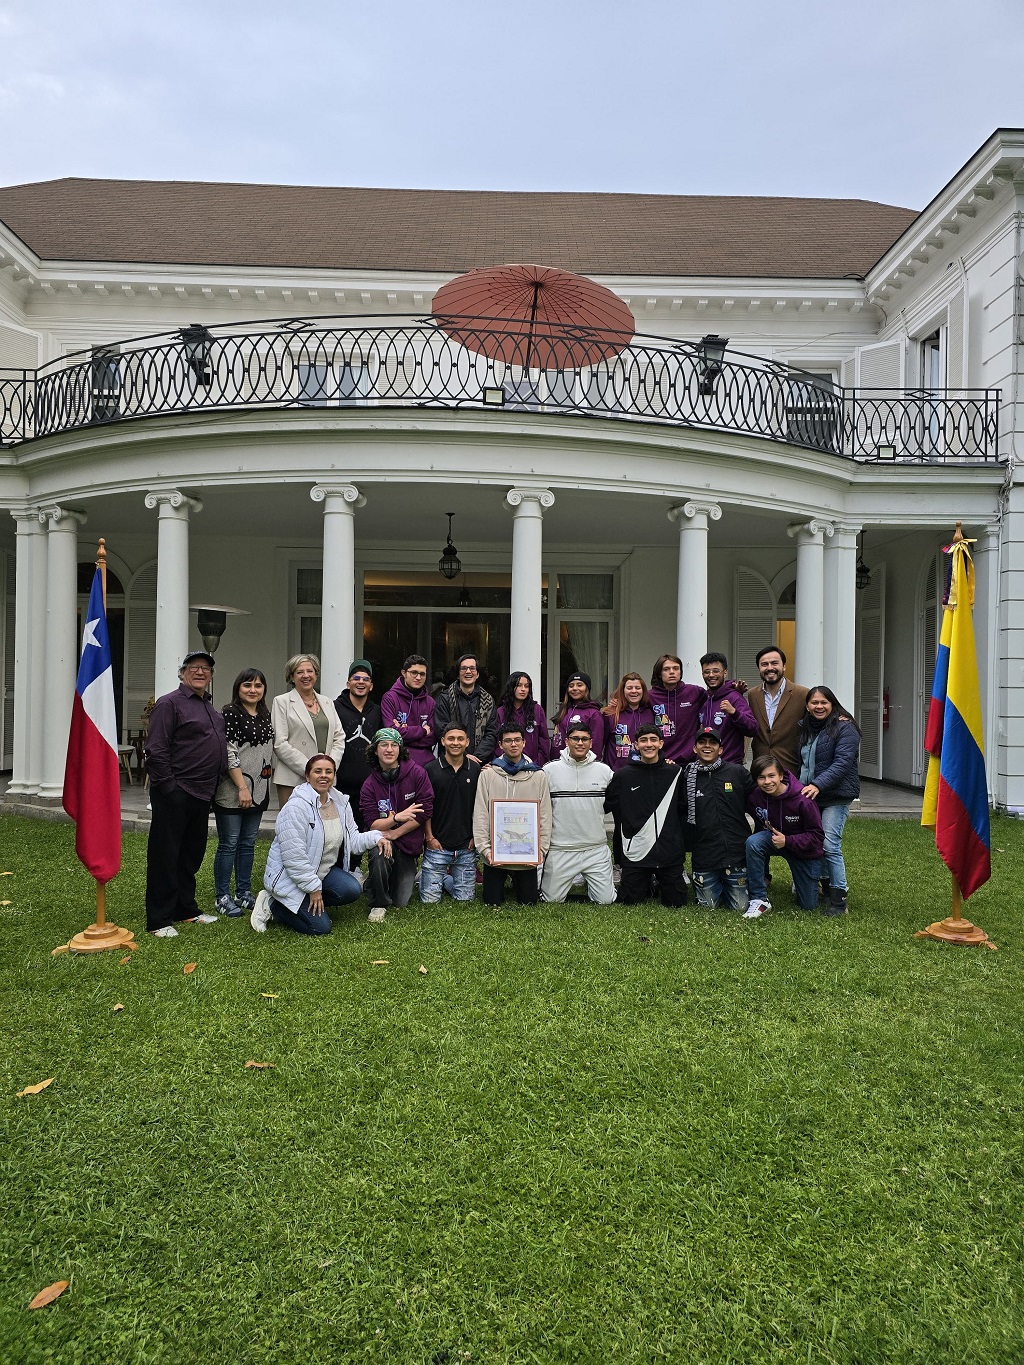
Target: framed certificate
(515,833)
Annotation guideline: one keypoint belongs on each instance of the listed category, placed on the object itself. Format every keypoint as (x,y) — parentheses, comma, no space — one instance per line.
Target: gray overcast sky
(877,99)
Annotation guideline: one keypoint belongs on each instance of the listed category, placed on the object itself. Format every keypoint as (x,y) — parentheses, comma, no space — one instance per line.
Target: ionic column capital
(542,497)
(171,501)
(71,517)
(329,494)
(693,508)
(810,532)
(29,521)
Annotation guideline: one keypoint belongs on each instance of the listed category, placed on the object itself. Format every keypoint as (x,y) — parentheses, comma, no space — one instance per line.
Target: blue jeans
(805,871)
(724,886)
(833,821)
(436,863)
(338,888)
(236,845)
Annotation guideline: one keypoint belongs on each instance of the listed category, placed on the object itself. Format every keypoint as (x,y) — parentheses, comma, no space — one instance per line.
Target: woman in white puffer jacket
(314,837)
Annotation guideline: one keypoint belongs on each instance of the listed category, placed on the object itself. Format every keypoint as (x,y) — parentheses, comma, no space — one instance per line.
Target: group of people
(412,783)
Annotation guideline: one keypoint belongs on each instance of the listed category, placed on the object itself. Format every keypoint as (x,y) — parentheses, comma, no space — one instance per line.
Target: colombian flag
(956,791)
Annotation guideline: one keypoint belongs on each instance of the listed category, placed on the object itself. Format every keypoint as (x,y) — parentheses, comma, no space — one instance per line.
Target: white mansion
(243,390)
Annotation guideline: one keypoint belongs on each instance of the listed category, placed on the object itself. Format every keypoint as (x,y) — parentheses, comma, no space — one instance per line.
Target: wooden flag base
(100,937)
(956,929)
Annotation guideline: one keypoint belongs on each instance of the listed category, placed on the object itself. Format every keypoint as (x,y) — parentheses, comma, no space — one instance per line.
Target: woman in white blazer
(305,723)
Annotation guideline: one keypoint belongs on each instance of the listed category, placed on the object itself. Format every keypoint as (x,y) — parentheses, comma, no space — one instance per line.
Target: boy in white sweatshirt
(579,841)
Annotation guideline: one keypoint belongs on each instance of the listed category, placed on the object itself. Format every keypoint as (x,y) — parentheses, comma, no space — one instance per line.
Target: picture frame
(515,833)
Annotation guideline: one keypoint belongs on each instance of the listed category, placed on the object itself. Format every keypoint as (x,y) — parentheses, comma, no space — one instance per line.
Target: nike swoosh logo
(634,789)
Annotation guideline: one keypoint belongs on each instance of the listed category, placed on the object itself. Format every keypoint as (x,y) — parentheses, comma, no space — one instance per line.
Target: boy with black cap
(715,823)
(360,719)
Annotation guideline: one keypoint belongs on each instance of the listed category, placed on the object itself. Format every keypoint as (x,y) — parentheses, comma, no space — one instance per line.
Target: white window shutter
(7,581)
(753,621)
(139,645)
(880,365)
(871,654)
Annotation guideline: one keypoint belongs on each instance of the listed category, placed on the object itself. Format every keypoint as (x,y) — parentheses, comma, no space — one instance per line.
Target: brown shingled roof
(317,227)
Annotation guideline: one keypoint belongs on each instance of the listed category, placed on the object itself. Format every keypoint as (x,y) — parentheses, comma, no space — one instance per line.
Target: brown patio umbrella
(534,316)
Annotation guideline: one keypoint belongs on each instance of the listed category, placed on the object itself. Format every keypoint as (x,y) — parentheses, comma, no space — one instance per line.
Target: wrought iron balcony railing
(414,363)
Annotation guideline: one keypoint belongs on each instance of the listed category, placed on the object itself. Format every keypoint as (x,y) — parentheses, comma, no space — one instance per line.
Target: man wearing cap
(186,752)
(468,704)
(715,824)
(360,719)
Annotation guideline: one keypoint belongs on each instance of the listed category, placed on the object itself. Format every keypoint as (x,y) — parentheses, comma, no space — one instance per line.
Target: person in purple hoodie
(398,800)
(725,709)
(628,708)
(786,823)
(408,707)
(676,706)
(578,706)
(518,706)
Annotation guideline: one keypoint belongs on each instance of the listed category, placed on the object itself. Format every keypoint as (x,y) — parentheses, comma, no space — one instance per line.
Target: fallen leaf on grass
(381,962)
(423,970)
(189,968)
(6,902)
(35,1089)
(61,948)
(269,995)
(121,963)
(258,1066)
(118,1008)
(132,947)
(51,1292)
(6,874)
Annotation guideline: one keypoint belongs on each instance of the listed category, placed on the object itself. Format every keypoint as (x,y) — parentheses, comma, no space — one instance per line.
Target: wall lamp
(863,572)
(197,343)
(711,354)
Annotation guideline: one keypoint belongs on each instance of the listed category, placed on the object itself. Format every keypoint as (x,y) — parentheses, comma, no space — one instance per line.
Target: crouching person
(511,777)
(307,867)
(449,860)
(644,799)
(397,800)
(715,827)
(579,844)
(786,823)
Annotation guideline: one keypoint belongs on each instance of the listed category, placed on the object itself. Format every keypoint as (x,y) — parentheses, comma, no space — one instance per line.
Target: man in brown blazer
(778,708)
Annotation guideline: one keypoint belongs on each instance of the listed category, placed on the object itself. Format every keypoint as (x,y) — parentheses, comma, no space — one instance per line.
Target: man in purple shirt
(186,752)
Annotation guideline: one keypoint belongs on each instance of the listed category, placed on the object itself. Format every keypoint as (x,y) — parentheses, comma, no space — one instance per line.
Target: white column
(809,665)
(840,637)
(37,654)
(171,584)
(61,644)
(338,612)
(986,631)
(26,686)
(527,578)
(692,595)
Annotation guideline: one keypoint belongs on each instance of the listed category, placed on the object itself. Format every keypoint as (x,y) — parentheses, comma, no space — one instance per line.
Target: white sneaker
(377,914)
(203,919)
(359,875)
(261,916)
(756,909)
(168,931)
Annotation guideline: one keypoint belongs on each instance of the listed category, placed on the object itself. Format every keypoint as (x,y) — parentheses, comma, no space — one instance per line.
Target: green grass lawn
(586,1134)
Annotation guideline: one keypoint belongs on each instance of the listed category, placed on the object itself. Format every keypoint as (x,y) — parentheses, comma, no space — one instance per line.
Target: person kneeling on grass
(449,860)
(716,827)
(397,800)
(315,835)
(785,822)
(511,777)
(644,798)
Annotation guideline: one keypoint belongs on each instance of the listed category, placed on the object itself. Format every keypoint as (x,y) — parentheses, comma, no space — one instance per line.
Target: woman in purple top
(518,706)
(578,706)
(408,707)
(628,708)
(676,706)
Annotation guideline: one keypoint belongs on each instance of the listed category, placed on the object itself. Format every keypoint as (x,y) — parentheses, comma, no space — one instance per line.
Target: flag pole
(101,936)
(954,928)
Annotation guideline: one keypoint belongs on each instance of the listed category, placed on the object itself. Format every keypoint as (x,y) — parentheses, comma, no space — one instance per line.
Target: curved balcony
(413,363)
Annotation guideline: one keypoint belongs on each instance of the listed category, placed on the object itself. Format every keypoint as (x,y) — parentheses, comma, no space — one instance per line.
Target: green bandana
(387,733)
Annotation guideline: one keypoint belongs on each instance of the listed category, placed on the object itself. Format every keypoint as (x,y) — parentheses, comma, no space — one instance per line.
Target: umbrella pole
(533,322)
(956,929)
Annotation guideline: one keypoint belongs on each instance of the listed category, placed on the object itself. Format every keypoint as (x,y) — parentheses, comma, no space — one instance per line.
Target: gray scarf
(692,769)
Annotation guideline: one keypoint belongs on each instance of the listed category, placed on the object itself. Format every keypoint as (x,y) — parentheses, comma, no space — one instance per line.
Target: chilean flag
(92,780)
(956,790)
